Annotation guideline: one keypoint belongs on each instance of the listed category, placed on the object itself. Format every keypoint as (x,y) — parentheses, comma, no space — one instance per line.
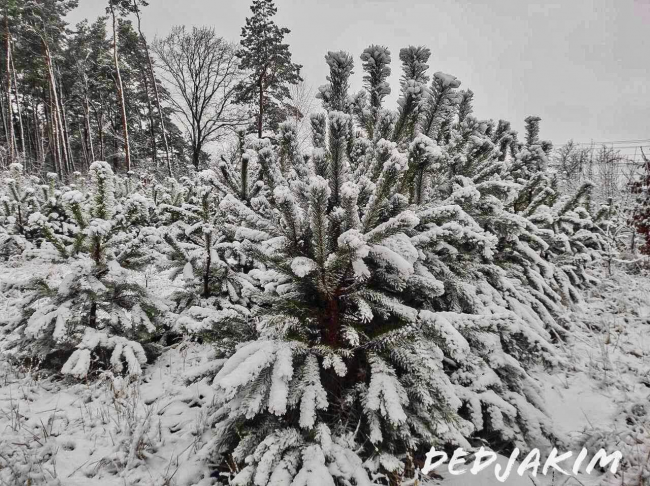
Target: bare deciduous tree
(201,71)
(572,162)
(610,164)
(604,165)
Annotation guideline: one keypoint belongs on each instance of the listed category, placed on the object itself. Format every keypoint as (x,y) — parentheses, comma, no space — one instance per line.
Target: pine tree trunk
(46,129)
(10,116)
(208,264)
(30,141)
(259,121)
(41,138)
(82,142)
(36,131)
(65,163)
(120,94)
(37,140)
(89,137)
(54,138)
(65,129)
(4,111)
(155,92)
(100,130)
(113,120)
(160,115)
(152,127)
(20,115)
(56,115)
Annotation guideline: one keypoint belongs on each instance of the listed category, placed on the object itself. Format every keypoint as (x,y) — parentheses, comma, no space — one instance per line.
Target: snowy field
(336,296)
(151,431)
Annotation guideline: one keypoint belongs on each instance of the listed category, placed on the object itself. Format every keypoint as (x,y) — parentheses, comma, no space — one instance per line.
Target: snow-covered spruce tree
(202,254)
(472,173)
(240,174)
(640,214)
(18,201)
(414,93)
(31,213)
(468,177)
(545,238)
(100,316)
(373,344)
(476,149)
(532,157)
(14,204)
(568,223)
(376,64)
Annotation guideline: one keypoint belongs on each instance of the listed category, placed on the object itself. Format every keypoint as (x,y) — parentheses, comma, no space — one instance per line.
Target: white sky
(583,66)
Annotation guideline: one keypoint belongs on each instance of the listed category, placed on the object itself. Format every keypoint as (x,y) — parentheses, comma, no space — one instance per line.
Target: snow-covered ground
(150,432)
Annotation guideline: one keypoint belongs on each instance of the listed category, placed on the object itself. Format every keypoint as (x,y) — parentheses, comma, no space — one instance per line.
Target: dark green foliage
(267,60)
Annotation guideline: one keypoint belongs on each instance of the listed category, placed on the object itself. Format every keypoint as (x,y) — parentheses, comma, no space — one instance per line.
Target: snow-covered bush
(202,254)
(391,317)
(631,436)
(31,213)
(545,239)
(640,213)
(383,292)
(101,314)
(28,463)
(18,200)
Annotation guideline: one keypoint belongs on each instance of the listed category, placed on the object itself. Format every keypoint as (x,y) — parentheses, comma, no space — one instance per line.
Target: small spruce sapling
(100,316)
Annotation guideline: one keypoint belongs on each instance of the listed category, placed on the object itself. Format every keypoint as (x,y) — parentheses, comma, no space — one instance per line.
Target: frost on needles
(100,315)
(405,284)
(385,291)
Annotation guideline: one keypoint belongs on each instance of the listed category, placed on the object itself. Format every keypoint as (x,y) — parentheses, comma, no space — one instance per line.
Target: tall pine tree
(400,298)
(265,54)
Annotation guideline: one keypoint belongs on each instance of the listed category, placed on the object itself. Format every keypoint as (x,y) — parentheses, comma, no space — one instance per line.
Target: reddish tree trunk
(120,95)
(10,116)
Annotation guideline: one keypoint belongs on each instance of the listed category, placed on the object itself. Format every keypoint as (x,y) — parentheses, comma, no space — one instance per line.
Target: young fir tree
(571,229)
(239,173)
(268,60)
(640,217)
(31,213)
(526,212)
(100,315)
(386,324)
(414,92)
(203,255)
(18,202)
(376,64)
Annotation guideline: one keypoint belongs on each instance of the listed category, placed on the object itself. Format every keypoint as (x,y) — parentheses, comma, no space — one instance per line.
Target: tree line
(101,91)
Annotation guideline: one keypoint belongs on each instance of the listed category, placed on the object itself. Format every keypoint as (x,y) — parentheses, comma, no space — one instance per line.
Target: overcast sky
(583,66)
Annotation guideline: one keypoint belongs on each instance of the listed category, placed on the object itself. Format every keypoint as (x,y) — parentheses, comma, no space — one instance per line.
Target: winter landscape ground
(213,277)
(151,431)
